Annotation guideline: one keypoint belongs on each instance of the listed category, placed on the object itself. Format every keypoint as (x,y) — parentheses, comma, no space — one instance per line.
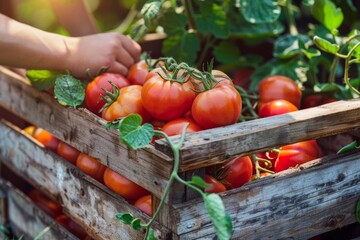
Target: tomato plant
(72,226)
(49,206)
(215,186)
(123,186)
(125,101)
(68,152)
(144,203)
(91,166)
(276,107)
(95,89)
(174,127)
(47,139)
(279,87)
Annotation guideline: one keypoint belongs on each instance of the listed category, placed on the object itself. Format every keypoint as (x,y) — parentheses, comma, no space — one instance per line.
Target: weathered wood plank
(298,203)
(215,145)
(85,131)
(87,201)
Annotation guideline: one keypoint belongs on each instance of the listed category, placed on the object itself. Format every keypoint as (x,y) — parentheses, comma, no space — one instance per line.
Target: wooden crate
(299,203)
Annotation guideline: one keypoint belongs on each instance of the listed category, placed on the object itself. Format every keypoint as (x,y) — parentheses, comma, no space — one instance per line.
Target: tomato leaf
(113,125)
(252,30)
(327,87)
(325,45)
(288,45)
(198,181)
(227,52)
(136,224)
(150,11)
(173,23)
(222,222)
(42,79)
(69,91)
(151,235)
(133,134)
(351,146)
(260,11)
(358,211)
(212,20)
(126,218)
(326,12)
(183,47)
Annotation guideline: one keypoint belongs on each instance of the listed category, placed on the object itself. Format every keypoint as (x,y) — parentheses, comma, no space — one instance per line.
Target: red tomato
(129,101)
(72,226)
(174,127)
(270,156)
(241,77)
(47,139)
(279,87)
(144,203)
(314,100)
(94,168)
(215,185)
(217,107)
(291,158)
(49,206)
(138,72)
(68,152)
(276,107)
(239,172)
(166,99)
(310,147)
(94,90)
(123,186)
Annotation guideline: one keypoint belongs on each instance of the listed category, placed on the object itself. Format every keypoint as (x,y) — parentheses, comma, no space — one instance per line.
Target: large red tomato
(91,166)
(219,106)
(123,186)
(46,138)
(310,147)
(279,87)
(167,99)
(144,203)
(72,226)
(95,89)
(129,101)
(138,72)
(291,158)
(46,204)
(215,186)
(276,107)
(174,127)
(68,152)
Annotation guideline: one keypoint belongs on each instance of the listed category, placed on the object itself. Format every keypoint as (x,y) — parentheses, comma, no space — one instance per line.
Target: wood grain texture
(216,145)
(88,202)
(298,203)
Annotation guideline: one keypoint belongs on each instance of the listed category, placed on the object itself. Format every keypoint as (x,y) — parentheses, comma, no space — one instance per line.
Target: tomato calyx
(110,96)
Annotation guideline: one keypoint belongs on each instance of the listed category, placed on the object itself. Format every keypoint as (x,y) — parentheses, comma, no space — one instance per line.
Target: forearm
(27,47)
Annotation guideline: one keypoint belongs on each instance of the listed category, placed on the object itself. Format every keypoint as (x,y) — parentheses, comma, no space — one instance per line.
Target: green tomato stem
(290,18)
(347,67)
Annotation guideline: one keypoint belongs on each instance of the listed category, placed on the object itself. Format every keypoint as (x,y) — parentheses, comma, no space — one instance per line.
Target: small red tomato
(72,226)
(144,203)
(91,166)
(291,158)
(241,77)
(47,139)
(310,147)
(95,89)
(68,152)
(138,72)
(49,206)
(276,107)
(215,186)
(123,186)
(174,127)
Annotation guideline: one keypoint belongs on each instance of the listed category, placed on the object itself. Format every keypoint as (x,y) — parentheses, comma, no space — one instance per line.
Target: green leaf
(136,224)
(212,20)
(351,146)
(42,79)
(352,44)
(151,10)
(113,125)
(295,69)
(151,235)
(311,52)
(227,52)
(288,45)
(358,211)
(260,11)
(326,12)
(173,23)
(249,30)
(126,218)
(198,181)
(69,91)
(133,134)
(222,222)
(183,47)
(325,45)
(327,87)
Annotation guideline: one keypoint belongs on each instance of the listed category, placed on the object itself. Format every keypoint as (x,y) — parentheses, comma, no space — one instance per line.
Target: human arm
(27,47)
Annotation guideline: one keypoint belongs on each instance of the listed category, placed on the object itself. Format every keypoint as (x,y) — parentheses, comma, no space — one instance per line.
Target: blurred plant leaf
(260,11)
(326,12)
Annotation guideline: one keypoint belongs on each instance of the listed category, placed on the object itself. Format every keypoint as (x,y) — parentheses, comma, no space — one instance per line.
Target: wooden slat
(88,202)
(298,203)
(85,131)
(215,145)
